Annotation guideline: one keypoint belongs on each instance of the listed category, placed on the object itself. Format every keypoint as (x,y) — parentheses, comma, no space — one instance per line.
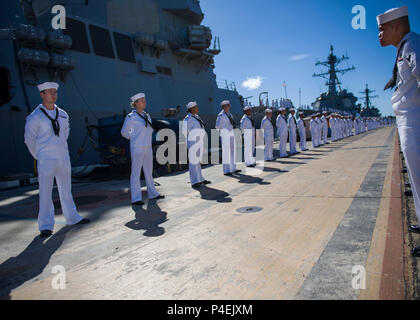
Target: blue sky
(258,38)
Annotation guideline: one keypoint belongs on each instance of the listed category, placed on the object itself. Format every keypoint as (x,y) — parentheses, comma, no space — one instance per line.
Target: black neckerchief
(146,119)
(55,123)
(392,82)
(199,120)
(252,121)
(303,122)
(231,120)
(294,120)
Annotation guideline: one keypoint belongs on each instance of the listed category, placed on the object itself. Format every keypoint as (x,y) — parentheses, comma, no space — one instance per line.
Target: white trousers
(228,153)
(410,146)
(318,135)
(249,146)
(268,149)
(282,143)
(302,142)
(61,170)
(142,158)
(314,138)
(325,134)
(195,154)
(292,140)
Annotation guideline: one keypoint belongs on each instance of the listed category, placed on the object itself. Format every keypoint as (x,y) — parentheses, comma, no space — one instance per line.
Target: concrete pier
(315,225)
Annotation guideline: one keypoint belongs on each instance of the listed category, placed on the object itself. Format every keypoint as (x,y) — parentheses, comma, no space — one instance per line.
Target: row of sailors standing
(285,128)
(47,130)
(319,129)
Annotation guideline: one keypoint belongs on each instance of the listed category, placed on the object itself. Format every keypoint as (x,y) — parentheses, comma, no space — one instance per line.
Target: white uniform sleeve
(185,128)
(219,122)
(31,133)
(126,129)
(67,127)
(413,57)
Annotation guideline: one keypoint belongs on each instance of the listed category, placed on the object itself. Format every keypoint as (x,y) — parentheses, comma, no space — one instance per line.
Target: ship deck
(295,231)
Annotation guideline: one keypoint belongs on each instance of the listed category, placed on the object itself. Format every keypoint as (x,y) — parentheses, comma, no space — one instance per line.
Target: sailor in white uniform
(268,128)
(356,125)
(313,124)
(332,126)
(248,130)
(324,126)
(194,131)
(302,133)
(138,128)
(291,123)
(340,127)
(46,132)
(226,125)
(282,128)
(319,133)
(394,29)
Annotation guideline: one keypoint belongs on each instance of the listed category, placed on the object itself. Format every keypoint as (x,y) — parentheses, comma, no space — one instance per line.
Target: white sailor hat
(324,112)
(247,108)
(137,96)
(292,109)
(224,102)
(268,110)
(282,109)
(300,113)
(47,85)
(191,104)
(392,14)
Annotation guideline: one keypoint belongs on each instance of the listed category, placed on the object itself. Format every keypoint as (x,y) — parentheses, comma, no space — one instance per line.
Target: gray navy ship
(109,50)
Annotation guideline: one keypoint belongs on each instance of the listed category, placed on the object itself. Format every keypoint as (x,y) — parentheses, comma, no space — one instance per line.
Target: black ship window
(5,96)
(101,41)
(164,70)
(77,31)
(124,47)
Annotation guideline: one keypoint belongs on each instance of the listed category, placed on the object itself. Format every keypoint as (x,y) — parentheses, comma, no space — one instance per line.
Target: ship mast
(331,74)
(369,109)
(367,97)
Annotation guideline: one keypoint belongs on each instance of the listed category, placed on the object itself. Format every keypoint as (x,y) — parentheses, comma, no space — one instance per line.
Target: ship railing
(227,85)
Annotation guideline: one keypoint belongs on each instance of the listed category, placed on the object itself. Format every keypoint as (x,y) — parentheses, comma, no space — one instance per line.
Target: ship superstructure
(109,50)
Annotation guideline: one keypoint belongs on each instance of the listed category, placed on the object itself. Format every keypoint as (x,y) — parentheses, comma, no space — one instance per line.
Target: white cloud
(252,83)
(299,56)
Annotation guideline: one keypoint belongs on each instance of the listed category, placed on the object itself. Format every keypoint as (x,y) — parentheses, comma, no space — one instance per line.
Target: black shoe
(206,182)
(196,185)
(228,174)
(45,233)
(138,203)
(83,221)
(415,252)
(414,228)
(236,171)
(158,197)
(251,165)
(408,193)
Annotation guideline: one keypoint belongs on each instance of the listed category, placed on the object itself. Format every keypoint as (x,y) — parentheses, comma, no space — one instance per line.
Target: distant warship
(334,100)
